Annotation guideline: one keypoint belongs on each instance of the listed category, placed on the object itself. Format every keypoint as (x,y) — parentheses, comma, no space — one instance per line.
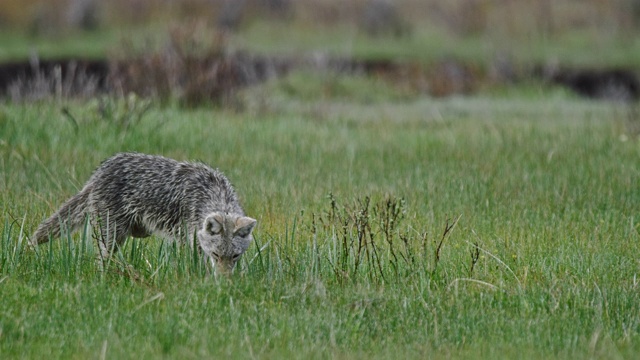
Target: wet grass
(473,228)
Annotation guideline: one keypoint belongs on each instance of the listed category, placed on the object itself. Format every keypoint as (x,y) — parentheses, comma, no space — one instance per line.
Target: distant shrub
(449,76)
(380,17)
(194,67)
(232,14)
(83,14)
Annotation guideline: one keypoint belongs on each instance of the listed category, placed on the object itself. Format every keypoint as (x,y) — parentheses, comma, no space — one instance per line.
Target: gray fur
(137,195)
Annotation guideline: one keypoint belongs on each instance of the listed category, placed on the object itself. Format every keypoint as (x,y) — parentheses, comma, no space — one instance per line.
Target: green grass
(545,188)
(17,45)
(429,43)
(585,47)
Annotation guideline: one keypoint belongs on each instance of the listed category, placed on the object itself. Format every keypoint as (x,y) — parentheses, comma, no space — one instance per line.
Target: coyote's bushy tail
(69,217)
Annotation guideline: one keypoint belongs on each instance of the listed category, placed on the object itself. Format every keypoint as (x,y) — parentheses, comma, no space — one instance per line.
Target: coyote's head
(224,238)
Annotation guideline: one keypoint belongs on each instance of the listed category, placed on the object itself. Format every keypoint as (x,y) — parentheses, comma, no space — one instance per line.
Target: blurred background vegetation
(500,27)
(201,50)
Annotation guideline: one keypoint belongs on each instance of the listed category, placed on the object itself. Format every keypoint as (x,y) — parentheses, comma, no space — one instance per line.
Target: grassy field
(486,227)
(582,48)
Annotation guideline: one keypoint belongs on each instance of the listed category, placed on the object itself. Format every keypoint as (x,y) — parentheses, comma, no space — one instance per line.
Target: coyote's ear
(244,226)
(213,223)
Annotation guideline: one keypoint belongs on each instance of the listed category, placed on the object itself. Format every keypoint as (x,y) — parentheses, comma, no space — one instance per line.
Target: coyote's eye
(215,255)
(236,257)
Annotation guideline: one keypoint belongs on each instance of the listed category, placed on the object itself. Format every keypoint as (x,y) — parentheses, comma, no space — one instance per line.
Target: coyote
(132,194)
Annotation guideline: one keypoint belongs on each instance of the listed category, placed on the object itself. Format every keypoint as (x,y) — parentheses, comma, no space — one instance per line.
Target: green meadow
(486,227)
(502,224)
